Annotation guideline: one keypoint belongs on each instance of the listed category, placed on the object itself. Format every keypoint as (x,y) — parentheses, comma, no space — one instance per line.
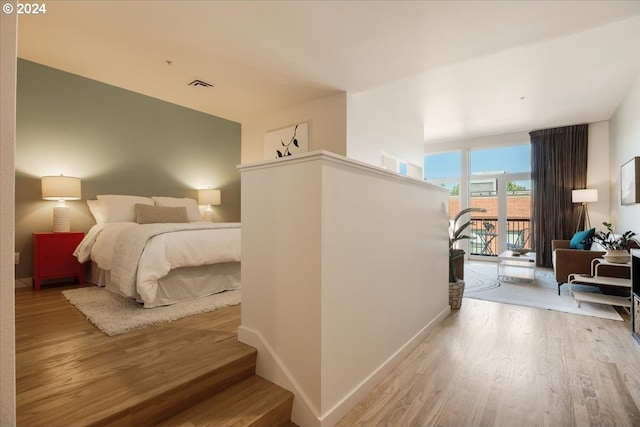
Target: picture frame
(630,182)
(286,141)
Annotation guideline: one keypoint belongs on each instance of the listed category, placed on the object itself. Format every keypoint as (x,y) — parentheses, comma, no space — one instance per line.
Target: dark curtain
(558,165)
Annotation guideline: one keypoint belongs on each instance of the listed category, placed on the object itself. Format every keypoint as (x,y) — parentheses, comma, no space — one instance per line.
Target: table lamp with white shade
(61,188)
(209,197)
(584,196)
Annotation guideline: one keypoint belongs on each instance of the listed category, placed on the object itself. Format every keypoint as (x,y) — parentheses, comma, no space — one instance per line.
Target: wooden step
(253,402)
(69,373)
(124,393)
(148,409)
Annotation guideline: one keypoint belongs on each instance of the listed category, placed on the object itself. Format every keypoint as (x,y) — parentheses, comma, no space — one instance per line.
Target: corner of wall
(373,127)
(327,118)
(270,366)
(624,137)
(598,172)
(7,192)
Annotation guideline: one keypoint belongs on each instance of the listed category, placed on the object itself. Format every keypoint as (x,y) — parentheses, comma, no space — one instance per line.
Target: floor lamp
(587,195)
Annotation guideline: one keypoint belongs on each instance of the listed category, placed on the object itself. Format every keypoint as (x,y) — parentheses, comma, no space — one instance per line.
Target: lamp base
(61,219)
(208,214)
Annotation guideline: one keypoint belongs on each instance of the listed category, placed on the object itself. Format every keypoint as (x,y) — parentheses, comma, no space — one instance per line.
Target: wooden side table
(53,257)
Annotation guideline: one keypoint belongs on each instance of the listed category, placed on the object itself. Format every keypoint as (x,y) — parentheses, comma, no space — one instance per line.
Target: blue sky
(507,159)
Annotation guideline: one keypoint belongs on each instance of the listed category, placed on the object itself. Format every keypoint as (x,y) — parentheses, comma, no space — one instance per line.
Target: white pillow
(193,211)
(119,208)
(595,246)
(96,210)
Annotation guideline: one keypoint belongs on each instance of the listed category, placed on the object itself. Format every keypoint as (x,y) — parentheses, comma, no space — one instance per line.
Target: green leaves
(609,240)
(455,231)
(455,234)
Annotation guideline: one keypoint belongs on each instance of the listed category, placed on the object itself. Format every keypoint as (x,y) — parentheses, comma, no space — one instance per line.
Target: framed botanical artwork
(287,141)
(630,182)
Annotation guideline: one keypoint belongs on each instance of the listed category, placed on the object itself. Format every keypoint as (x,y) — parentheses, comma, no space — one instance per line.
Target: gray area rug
(114,314)
(481,282)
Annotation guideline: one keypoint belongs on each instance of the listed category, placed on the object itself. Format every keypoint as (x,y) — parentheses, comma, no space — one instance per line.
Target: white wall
(281,277)
(384,270)
(344,271)
(384,120)
(598,172)
(502,140)
(7,273)
(327,120)
(624,129)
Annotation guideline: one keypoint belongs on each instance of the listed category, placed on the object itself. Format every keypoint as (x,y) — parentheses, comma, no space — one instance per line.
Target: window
(512,159)
(443,165)
(497,179)
(445,169)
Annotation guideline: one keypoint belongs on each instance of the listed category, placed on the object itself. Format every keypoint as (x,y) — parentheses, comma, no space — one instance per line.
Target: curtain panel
(558,166)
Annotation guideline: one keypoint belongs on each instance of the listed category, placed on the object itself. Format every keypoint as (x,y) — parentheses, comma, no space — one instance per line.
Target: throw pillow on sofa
(578,239)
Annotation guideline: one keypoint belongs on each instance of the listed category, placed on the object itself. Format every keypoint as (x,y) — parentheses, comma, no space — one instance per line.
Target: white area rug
(114,314)
(481,282)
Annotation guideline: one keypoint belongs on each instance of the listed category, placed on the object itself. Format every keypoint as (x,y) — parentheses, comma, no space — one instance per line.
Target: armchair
(567,261)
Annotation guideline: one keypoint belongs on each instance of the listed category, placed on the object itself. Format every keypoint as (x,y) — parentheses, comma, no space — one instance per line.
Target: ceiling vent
(198,82)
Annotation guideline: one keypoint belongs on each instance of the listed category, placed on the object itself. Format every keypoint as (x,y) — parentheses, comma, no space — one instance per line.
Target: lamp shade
(60,188)
(209,197)
(584,196)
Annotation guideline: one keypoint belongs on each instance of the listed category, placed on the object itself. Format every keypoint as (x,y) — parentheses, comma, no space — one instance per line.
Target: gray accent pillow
(193,212)
(146,214)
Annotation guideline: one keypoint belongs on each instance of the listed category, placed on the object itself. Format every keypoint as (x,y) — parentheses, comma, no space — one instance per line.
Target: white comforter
(137,255)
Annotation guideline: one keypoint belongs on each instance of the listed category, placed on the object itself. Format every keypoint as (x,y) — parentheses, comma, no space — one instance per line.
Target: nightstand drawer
(53,257)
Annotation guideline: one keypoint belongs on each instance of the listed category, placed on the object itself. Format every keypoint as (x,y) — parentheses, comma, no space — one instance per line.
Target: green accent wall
(117,142)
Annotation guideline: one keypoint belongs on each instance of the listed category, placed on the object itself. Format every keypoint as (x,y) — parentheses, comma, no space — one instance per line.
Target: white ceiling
(469,68)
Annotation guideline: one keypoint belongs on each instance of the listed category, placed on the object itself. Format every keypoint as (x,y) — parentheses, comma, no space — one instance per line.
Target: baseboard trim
(305,414)
(25,282)
(270,366)
(335,414)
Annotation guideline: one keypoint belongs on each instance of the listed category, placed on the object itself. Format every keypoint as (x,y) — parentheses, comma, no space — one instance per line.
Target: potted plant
(456,257)
(614,245)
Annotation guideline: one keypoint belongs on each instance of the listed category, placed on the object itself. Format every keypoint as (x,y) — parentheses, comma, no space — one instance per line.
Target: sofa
(567,261)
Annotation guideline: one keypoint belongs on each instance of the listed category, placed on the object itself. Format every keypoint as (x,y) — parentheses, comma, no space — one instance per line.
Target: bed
(158,250)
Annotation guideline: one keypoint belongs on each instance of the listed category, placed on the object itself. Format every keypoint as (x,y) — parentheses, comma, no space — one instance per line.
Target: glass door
(484,230)
(506,222)
(518,220)
(497,179)
(500,183)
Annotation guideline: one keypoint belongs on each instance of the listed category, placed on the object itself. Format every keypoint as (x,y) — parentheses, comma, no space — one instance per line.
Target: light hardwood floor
(68,373)
(488,364)
(493,364)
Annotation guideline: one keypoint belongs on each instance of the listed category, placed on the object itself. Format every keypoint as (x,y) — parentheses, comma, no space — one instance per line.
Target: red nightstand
(53,257)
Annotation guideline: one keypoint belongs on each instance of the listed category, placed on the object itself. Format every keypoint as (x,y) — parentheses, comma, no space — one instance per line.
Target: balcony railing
(483,235)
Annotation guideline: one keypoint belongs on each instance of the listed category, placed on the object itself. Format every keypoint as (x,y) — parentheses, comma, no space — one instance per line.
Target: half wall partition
(344,272)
